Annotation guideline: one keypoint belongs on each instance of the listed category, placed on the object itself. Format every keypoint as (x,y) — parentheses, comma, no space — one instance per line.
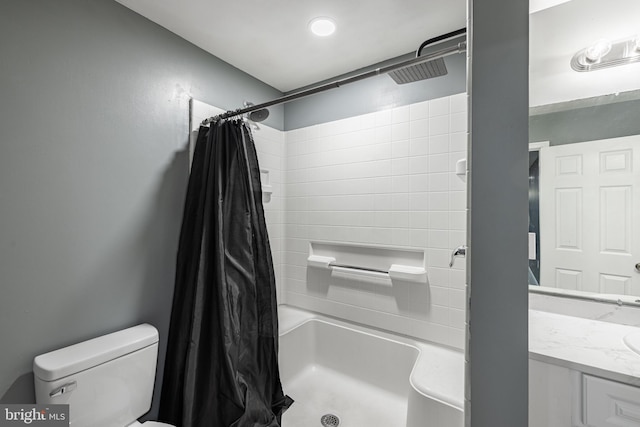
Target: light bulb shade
(598,50)
(604,54)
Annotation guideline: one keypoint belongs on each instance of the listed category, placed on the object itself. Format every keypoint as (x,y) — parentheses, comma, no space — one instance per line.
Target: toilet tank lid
(87,354)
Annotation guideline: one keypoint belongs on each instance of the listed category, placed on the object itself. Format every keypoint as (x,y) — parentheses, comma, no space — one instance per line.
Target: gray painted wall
(497,373)
(586,124)
(93,171)
(377,93)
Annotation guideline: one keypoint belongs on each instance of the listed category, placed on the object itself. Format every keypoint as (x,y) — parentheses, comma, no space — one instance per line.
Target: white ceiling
(270,39)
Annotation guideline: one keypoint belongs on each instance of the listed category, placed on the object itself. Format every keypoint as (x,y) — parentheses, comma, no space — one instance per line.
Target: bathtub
(344,374)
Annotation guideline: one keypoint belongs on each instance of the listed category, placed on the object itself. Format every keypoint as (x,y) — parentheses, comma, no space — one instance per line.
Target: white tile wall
(388,179)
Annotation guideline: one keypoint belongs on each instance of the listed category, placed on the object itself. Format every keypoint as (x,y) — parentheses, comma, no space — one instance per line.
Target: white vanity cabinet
(609,403)
(562,397)
(583,372)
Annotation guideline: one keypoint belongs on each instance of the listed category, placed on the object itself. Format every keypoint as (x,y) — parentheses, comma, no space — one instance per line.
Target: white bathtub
(364,376)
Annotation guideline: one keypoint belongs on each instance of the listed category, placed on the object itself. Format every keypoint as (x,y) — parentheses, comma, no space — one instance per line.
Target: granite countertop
(590,346)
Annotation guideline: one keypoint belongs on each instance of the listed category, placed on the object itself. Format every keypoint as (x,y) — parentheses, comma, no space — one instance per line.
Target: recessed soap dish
(267,188)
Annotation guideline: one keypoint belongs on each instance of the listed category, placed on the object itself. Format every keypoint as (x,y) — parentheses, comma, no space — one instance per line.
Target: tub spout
(460,251)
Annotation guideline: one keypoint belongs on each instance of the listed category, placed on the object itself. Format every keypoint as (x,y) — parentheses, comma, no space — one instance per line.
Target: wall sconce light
(604,54)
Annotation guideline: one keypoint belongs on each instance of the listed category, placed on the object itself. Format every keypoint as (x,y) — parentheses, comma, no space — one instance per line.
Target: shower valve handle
(460,251)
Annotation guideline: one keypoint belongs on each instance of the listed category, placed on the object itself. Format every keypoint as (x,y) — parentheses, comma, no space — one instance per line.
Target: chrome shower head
(258,115)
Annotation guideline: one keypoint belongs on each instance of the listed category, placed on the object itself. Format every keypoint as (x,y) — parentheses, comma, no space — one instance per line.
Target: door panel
(589,211)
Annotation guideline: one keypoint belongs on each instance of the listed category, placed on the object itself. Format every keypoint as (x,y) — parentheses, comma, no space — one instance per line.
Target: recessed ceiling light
(322,26)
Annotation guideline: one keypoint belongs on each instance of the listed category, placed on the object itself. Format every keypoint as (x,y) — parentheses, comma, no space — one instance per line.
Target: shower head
(425,70)
(258,115)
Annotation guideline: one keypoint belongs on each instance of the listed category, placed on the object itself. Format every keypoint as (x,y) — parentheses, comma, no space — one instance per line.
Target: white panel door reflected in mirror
(587,195)
(589,207)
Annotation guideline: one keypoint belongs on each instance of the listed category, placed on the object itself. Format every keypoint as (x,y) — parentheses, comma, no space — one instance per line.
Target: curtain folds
(221,367)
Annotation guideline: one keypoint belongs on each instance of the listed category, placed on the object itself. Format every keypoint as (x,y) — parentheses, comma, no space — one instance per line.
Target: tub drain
(329,420)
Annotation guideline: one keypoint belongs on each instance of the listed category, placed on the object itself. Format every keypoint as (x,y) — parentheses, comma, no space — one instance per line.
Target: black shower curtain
(221,367)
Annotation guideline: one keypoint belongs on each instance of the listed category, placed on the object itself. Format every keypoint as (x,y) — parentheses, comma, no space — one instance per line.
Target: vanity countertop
(590,346)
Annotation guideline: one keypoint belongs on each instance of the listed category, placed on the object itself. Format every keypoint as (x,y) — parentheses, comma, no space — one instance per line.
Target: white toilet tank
(107,381)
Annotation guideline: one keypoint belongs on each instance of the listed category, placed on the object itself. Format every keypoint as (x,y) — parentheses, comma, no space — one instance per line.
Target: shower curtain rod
(459,48)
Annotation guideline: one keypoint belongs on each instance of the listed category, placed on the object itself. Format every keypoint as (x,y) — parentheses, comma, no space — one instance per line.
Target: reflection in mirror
(584,164)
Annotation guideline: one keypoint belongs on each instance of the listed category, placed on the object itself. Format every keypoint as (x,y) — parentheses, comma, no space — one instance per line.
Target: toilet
(106,381)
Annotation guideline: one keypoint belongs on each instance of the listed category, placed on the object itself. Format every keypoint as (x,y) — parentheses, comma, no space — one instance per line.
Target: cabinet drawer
(610,404)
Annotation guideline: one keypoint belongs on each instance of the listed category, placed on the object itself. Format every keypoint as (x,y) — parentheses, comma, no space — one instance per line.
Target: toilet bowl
(107,381)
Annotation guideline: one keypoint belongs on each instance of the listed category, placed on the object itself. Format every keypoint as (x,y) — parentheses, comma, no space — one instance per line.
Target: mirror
(584,134)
